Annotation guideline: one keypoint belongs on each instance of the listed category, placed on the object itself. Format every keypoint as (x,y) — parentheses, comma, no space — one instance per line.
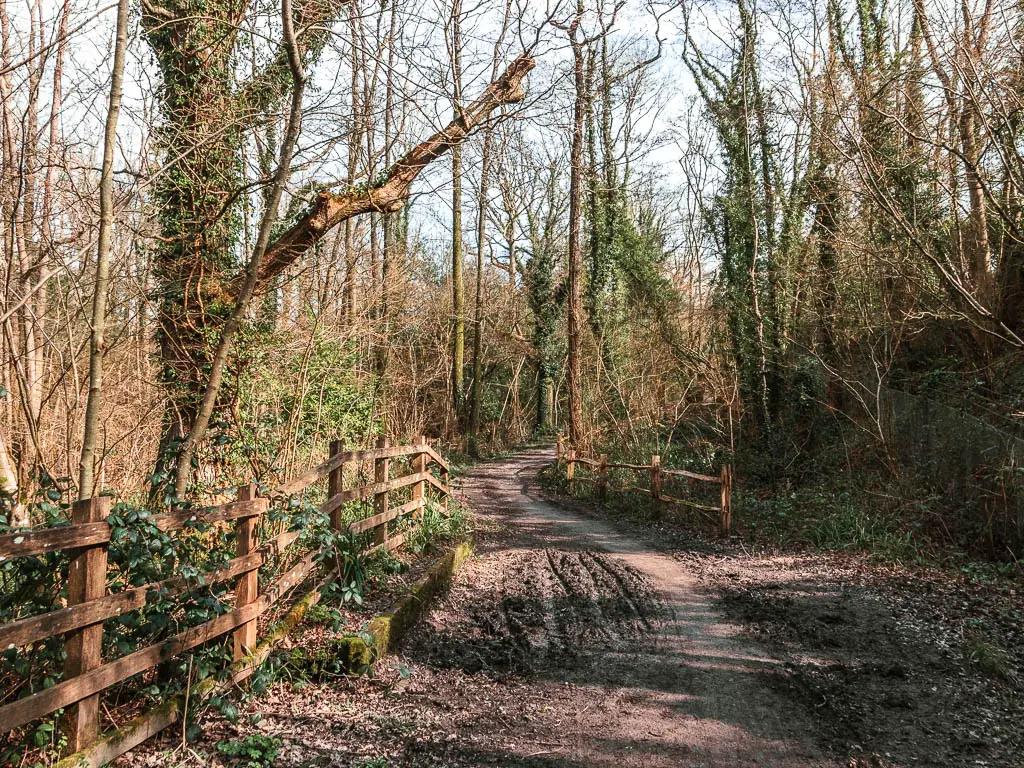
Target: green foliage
(437,525)
(352,559)
(139,553)
(273,407)
(829,519)
(253,751)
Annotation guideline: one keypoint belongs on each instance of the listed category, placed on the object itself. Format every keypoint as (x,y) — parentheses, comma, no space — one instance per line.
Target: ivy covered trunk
(196,256)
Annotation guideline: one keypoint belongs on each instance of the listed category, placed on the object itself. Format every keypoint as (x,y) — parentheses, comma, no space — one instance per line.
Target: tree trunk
(574,314)
(244,297)
(478,320)
(97,342)
(481,244)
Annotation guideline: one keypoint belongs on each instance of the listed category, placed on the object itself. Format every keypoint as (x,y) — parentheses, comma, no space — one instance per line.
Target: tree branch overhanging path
(331,209)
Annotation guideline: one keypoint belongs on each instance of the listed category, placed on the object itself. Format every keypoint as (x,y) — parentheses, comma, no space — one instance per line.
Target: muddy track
(569,643)
(656,675)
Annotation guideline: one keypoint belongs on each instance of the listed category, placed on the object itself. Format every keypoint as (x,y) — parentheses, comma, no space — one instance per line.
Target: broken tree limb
(330,209)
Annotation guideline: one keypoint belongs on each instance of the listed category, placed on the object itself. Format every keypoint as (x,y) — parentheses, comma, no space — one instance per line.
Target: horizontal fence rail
(567,457)
(89,603)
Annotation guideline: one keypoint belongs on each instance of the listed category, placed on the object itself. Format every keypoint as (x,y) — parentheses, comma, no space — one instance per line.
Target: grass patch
(436,526)
(989,659)
(830,520)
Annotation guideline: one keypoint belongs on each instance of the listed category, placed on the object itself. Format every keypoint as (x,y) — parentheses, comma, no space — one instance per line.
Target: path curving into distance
(610,652)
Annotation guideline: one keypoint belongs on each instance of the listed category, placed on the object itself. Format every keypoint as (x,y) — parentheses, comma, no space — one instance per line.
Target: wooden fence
(89,603)
(568,457)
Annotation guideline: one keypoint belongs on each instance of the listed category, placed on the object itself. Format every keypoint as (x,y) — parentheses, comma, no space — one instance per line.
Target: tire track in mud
(560,605)
(551,608)
(597,566)
(582,601)
(635,597)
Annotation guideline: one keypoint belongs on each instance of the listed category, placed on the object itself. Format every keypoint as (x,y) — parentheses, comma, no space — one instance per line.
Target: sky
(427,76)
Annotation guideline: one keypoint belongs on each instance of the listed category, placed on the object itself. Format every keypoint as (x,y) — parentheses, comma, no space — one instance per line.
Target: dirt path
(623,659)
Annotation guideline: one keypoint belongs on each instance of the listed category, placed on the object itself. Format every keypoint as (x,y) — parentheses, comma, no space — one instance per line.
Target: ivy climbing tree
(206,111)
(207,108)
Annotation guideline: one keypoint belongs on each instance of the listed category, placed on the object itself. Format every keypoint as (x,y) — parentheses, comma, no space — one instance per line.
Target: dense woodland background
(786,235)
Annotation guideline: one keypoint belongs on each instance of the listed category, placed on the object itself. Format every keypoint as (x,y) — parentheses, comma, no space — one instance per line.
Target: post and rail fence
(567,456)
(89,602)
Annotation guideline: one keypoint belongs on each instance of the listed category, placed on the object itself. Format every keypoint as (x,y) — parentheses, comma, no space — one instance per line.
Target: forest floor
(574,641)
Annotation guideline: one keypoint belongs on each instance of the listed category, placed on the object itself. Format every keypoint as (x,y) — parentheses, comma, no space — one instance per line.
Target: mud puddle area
(548,610)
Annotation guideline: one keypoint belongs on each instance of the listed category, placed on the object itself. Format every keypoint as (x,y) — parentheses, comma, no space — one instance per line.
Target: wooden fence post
(335,483)
(445,480)
(419,464)
(570,467)
(656,482)
(602,476)
(87,580)
(559,448)
(247,587)
(381,467)
(726,522)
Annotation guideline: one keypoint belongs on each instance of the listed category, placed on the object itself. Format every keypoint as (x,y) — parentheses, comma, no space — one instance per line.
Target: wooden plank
(434,455)
(726,510)
(335,482)
(635,489)
(656,479)
(419,464)
(35,628)
(291,578)
(129,735)
(247,586)
(68,692)
(40,540)
(323,470)
(277,545)
(87,581)
(442,487)
(390,545)
(125,737)
(685,503)
(366,491)
(243,669)
(570,467)
(172,521)
(692,475)
(588,462)
(447,489)
(392,514)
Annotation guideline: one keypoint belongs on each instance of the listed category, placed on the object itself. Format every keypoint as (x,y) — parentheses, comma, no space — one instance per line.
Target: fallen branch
(330,209)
